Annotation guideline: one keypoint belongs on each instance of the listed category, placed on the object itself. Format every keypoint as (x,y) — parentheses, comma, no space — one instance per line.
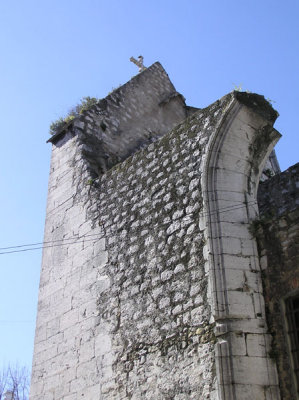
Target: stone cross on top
(138,62)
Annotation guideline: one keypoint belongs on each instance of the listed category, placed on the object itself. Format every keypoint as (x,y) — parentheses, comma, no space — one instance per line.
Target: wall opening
(292,316)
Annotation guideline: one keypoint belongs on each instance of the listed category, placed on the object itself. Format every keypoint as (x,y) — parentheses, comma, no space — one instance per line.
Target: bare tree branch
(14,383)
(3,382)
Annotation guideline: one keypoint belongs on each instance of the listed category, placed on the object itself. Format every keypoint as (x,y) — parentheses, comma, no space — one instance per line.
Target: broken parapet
(131,117)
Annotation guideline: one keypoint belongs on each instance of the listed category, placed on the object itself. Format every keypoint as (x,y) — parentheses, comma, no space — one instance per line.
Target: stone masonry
(153,286)
(277,230)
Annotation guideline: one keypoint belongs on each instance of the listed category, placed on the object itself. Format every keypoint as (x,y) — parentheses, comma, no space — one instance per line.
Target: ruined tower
(153,288)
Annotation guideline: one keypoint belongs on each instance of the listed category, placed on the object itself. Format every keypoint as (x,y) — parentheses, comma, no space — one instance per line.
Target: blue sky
(55,52)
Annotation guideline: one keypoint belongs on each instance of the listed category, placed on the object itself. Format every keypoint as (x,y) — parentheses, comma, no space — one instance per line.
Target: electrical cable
(50,241)
(46,247)
(49,244)
(15,322)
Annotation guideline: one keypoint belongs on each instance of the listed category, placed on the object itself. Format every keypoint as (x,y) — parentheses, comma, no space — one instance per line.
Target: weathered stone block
(240,304)
(253,370)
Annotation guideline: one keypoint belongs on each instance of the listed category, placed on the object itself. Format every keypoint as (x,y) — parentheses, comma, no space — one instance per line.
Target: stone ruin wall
(126,310)
(278,238)
(160,313)
(125,269)
(130,118)
(126,303)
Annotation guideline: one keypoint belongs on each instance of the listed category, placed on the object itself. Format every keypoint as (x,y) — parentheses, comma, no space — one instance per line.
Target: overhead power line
(47,242)
(16,322)
(46,247)
(75,239)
